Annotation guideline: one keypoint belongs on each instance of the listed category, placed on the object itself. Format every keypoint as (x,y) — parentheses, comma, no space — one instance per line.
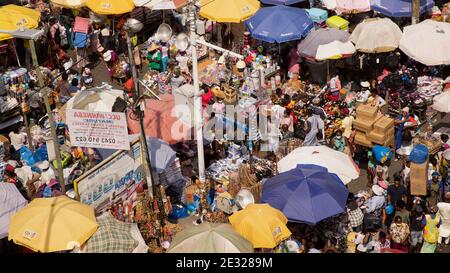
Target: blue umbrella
(281,2)
(307,194)
(399,8)
(279,24)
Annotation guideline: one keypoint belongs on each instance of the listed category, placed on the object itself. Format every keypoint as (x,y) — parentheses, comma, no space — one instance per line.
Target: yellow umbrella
(20,11)
(71,4)
(14,21)
(228,11)
(53,224)
(262,225)
(110,7)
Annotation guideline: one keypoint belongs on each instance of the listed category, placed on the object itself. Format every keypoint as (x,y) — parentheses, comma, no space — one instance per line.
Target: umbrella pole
(142,138)
(44,91)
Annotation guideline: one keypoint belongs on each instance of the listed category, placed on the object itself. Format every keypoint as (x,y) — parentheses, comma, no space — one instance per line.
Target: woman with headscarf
(315,126)
(431,223)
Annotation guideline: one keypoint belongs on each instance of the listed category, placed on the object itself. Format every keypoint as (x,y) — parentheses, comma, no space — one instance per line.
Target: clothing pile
(428,87)
(7,103)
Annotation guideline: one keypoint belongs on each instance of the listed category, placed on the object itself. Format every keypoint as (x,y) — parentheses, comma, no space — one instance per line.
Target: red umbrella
(160,121)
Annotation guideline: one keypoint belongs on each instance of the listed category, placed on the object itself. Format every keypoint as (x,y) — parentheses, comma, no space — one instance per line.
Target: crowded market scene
(224,126)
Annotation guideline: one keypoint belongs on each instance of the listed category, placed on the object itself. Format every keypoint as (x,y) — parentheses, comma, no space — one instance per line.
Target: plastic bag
(26,155)
(40,154)
(419,154)
(382,154)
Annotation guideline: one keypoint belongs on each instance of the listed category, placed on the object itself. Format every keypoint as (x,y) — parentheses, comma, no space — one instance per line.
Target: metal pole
(415,18)
(27,126)
(143,140)
(198,98)
(44,91)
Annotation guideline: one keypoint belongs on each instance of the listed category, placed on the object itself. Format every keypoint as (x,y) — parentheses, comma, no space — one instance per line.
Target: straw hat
(152,47)
(365,84)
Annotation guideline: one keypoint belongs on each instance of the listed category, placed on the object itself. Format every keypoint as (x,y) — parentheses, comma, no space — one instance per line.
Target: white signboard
(105,130)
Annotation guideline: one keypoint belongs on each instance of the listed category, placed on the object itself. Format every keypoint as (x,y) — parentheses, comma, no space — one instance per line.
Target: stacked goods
(418,178)
(372,127)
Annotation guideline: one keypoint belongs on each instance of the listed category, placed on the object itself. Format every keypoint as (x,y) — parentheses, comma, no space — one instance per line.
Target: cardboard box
(364,124)
(366,111)
(361,139)
(384,124)
(419,177)
(380,138)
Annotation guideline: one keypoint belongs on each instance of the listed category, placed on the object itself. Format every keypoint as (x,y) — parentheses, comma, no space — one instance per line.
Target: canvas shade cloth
(184,103)
(335,50)
(427,42)
(441,102)
(308,46)
(114,236)
(160,153)
(110,7)
(13,17)
(336,162)
(100,100)
(261,224)
(210,238)
(160,121)
(376,35)
(399,8)
(307,194)
(11,201)
(228,11)
(281,2)
(70,4)
(53,224)
(279,24)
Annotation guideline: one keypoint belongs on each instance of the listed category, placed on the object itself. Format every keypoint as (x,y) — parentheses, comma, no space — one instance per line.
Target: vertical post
(27,126)
(415,16)
(197,99)
(143,140)
(44,92)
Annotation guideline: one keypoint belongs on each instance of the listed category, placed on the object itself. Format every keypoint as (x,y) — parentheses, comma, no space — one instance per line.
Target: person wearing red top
(128,85)
(207,96)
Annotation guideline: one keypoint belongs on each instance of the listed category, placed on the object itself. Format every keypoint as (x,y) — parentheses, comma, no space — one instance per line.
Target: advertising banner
(105,130)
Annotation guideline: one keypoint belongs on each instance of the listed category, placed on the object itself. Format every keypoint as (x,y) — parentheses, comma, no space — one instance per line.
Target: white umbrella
(336,162)
(442,102)
(376,35)
(427,42)
(95,99)
(184,103)
(335,50)
(147,3)
(160,4)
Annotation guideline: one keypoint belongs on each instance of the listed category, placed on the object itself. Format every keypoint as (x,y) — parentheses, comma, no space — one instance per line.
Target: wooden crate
(366,111)
(365,124)
(383,125)
(361,139)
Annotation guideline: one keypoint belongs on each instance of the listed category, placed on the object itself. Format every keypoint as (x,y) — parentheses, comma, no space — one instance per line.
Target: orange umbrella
(161,121)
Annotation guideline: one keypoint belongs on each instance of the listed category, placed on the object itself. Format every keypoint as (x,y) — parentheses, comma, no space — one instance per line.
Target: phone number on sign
(95,140)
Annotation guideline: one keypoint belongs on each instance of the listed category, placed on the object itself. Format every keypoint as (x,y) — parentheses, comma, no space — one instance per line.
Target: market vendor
(176,79)
(403,121)
(155,57)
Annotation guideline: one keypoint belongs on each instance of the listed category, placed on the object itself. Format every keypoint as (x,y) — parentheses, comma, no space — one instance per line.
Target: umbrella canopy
(336,162)
(14,17)
(53,224)
(262,225)
(160,153)
(281,2)
(210,238)
(306,194)
(110,7)
(160,121)
(308,47)
(376,35)
(11,201)
(160,4)
(228,11)
(100,100)
(70,4)
(399,8)
(427,42)
(184,103)
(347,6)
(335,50)
(442,102)
(279,24)
(114,236)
